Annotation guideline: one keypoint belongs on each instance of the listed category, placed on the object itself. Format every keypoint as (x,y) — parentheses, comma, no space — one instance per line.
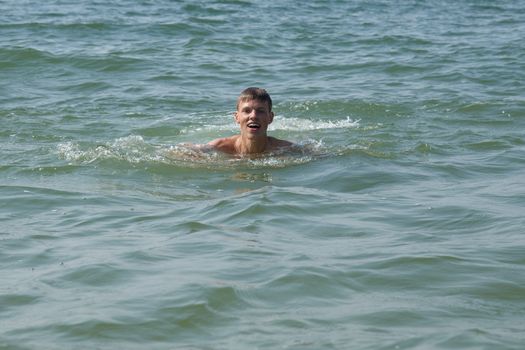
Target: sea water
(398,222)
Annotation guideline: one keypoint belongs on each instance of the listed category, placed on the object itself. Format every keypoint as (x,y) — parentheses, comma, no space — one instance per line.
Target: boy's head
(254,93)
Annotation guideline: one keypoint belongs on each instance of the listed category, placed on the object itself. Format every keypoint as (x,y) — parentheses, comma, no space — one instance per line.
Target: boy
(254,114)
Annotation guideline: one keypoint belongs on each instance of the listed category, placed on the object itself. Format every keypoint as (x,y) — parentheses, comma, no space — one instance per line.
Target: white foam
(132,149)
(279,123)
(297,124)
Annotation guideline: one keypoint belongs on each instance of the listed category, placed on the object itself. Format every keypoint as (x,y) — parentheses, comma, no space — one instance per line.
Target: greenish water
(397,225)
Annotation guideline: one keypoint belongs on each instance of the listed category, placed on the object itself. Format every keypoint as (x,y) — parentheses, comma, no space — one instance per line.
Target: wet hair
(255,93)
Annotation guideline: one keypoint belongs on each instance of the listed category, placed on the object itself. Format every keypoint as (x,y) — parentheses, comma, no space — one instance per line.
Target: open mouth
(254,126)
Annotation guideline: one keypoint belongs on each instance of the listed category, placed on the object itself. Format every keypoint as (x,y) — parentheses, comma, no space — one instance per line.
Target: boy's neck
(251,145)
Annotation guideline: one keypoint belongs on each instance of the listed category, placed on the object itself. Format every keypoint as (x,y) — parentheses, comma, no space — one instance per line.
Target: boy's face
(253,117)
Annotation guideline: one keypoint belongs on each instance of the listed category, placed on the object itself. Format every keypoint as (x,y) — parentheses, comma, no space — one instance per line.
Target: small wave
(134,150)
(192,155)
(280,123)
(296,124)
(17,56)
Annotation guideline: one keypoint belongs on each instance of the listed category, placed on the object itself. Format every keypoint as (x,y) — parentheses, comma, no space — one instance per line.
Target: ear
(271,117)
(236,117)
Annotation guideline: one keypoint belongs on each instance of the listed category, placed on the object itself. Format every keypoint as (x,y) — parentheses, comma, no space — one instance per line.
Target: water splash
(134,150)
(297,124)
(192,155)
(280,123)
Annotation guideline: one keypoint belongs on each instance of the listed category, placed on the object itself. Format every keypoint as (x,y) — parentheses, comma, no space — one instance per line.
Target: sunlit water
(395,223)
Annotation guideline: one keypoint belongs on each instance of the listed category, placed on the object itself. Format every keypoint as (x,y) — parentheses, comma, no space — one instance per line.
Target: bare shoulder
(277,143)
(224,144)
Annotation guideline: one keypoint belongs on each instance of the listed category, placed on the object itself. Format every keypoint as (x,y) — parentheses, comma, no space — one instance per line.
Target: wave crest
(291,124)
(134,150)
